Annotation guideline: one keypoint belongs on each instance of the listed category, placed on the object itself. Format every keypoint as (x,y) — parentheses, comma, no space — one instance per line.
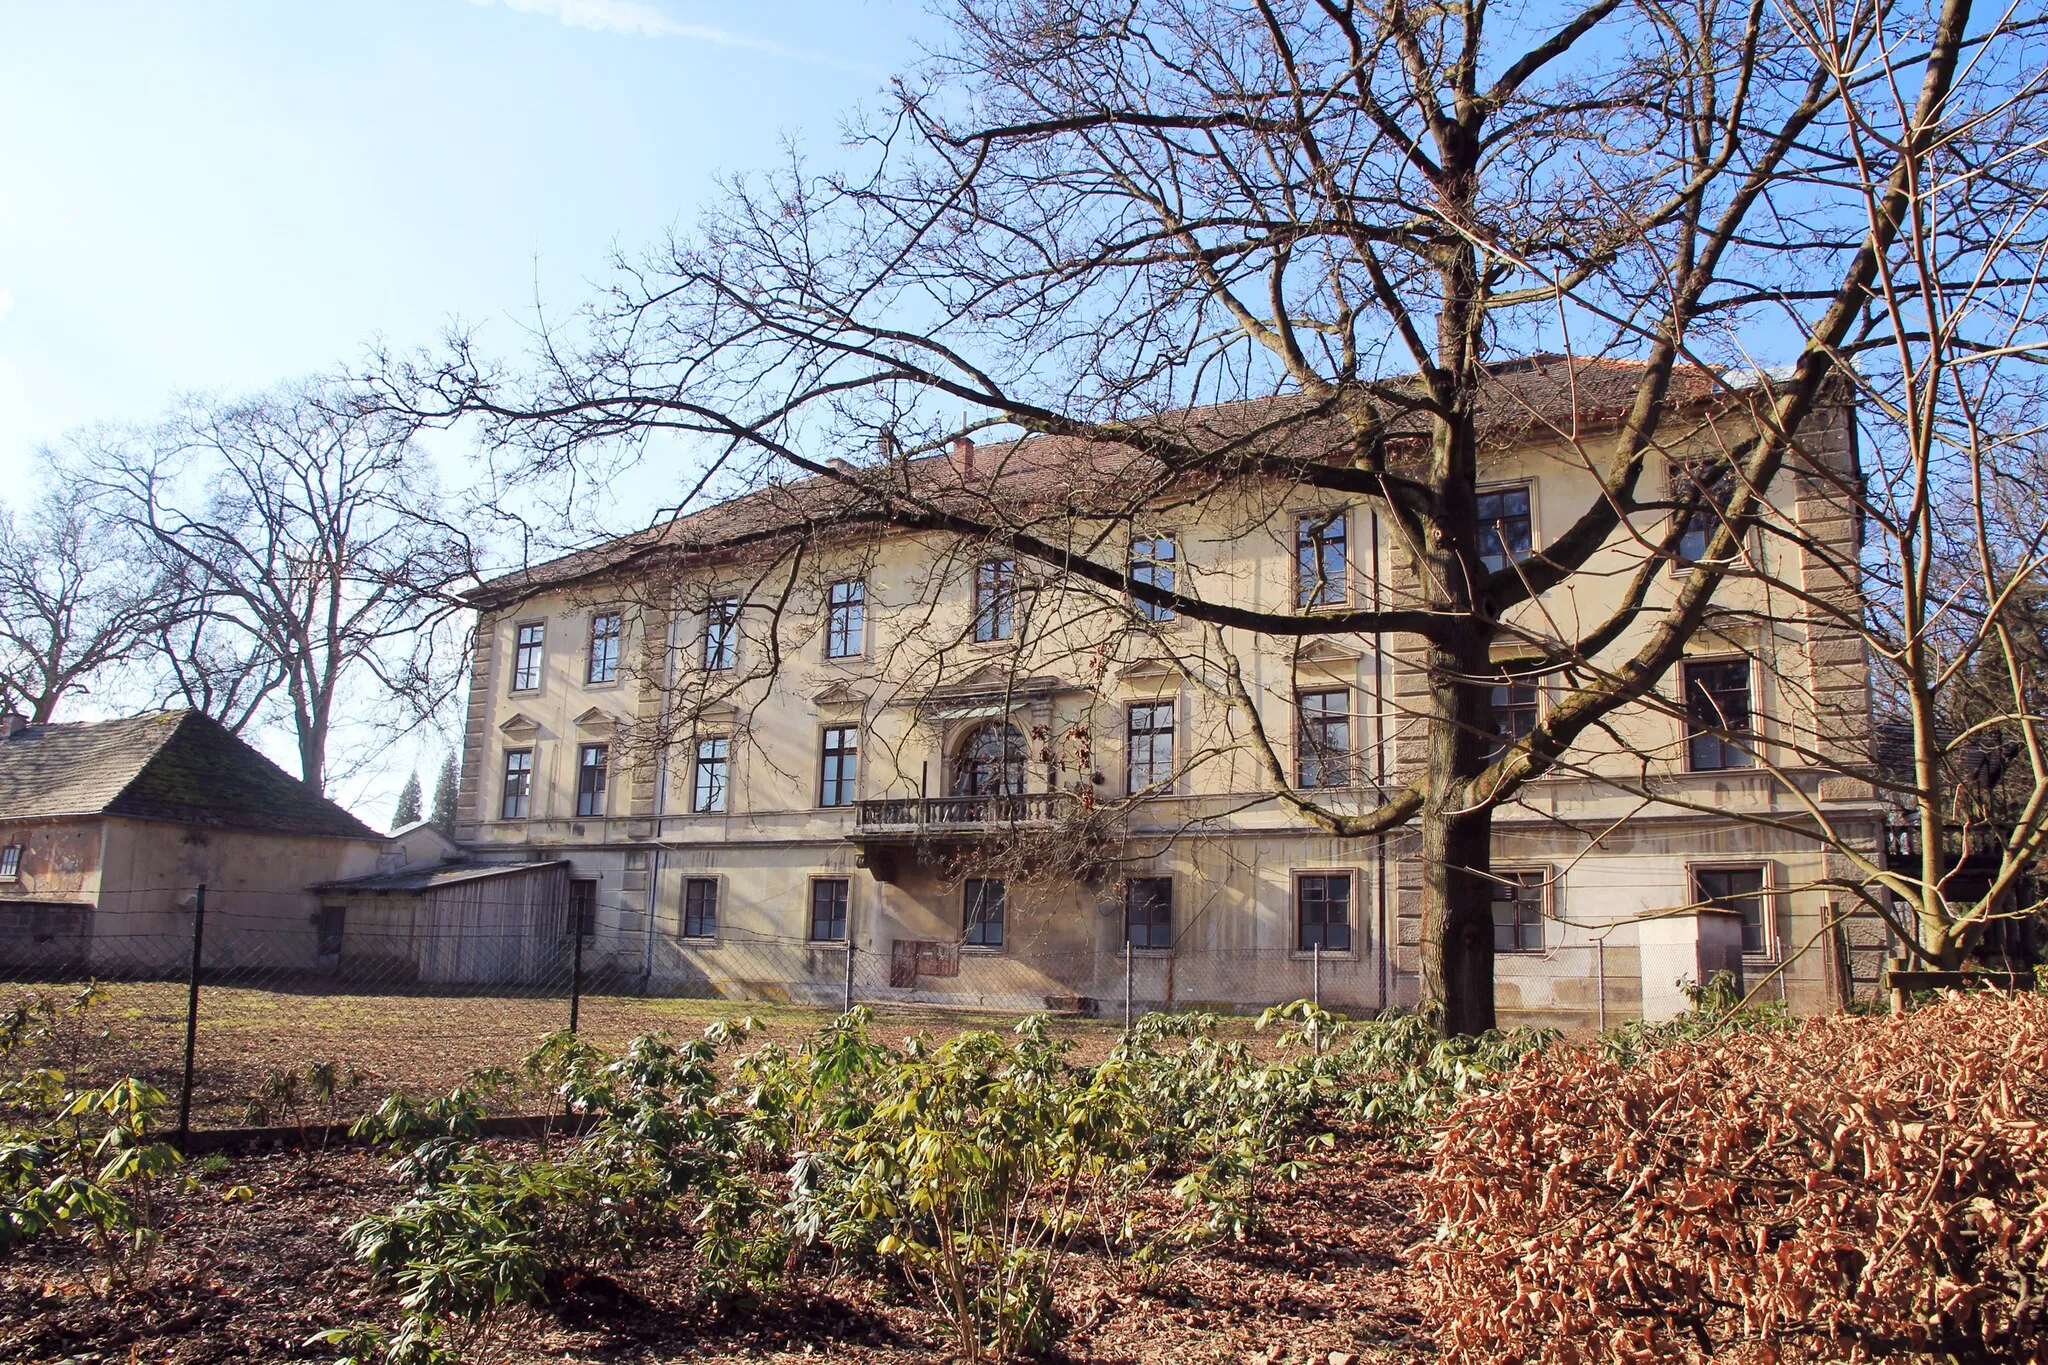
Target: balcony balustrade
(959,814)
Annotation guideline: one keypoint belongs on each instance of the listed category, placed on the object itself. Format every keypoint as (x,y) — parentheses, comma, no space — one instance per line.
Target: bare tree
(204,660)
(308,527)
(1338,219)
(81,599)
(1935,574)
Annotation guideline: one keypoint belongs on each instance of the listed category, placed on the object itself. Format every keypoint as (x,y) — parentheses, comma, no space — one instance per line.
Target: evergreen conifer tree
(408,802)
(444,797)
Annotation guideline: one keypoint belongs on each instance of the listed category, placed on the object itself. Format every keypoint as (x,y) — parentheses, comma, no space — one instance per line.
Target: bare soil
(252,1279)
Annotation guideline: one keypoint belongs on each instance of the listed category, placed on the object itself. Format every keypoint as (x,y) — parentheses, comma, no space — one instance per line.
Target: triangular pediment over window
(717,715)
(520,725)
(839,694)
(1327,652)
(598,721)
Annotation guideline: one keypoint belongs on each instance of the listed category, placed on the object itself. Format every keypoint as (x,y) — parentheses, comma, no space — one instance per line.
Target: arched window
(990,762)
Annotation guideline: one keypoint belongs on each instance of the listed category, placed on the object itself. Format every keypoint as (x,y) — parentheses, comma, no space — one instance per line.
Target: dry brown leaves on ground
(244,1281)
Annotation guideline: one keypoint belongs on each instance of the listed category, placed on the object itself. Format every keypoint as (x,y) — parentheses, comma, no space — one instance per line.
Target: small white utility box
(1689,946)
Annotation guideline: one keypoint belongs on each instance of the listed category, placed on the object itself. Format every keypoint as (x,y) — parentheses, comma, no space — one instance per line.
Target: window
(846,619)
(1148,912)
(1518,912)
(327,929)
(1740,889)
(700,907)
(10,862)
(841,766)
(981,912)
(1320,559)
(591,762)
(722,634)
(1707,484)
(1503,517)
(714,759)
(1514,712)
(990,762)
(1149,733)
(828,910)
(604,649)
(526,657)
(1152,562)
(1717,718)
(583,907)
(1325,738)
(518,784)
(1322,911)
(995,599)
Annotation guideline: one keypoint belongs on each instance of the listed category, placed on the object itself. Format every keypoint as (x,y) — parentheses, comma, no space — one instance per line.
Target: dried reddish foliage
(1845,1190)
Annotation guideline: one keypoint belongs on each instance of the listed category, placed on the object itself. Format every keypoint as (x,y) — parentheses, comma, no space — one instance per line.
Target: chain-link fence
(247,1010)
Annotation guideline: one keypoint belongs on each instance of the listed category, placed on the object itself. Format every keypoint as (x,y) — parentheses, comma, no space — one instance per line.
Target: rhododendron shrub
(1846,1190)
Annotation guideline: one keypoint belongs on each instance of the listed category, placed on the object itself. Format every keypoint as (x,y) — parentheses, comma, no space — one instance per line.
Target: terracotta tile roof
(178,766)
(1528,397)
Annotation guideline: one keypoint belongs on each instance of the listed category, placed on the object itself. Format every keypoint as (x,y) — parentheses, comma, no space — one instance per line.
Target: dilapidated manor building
(776,730)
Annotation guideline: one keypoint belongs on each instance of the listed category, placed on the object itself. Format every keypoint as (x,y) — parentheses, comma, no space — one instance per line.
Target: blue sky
(215,195)
(220,194)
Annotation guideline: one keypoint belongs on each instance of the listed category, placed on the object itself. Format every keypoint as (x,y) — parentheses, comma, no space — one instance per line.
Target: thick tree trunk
(1457,843)
(1457,918)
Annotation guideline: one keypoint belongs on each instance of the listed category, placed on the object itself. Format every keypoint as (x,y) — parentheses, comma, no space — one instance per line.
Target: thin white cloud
(637,20)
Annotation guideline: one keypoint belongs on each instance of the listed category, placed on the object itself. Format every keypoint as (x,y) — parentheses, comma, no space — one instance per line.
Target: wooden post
(576,974)
(1127,984)
(1315,988)
(192,1014)
(1898,964)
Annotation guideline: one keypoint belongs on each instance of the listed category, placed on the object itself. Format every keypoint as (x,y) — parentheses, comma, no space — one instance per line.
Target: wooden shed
(501,924)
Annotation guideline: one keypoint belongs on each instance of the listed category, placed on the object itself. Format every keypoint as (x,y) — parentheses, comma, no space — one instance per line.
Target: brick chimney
(963,456)
(11,721)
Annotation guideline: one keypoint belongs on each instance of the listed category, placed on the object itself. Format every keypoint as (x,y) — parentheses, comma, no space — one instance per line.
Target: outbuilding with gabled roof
(108,830)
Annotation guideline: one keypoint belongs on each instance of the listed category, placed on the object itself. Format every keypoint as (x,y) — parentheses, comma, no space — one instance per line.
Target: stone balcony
(910,817)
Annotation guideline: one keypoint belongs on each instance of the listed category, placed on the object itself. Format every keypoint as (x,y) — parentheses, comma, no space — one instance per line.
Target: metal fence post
(576,981)
(192,1014)
(846,1005)
(1315,988)
(1127,985)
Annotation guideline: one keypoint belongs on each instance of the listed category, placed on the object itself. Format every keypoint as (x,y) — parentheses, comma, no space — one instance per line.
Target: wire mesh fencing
(248,1010)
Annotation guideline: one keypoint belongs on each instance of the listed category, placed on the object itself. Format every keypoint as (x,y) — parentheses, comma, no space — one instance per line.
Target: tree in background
(199,660)
(408,811)
(445,786)
(1086,214)
(82,599)
(309,528)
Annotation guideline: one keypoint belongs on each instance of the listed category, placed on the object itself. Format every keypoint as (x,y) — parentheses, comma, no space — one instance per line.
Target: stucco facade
(1091,685)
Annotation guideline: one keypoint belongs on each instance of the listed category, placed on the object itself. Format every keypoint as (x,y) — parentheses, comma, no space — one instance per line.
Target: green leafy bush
(1398,1074)
(79,1161)
(968,1168)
